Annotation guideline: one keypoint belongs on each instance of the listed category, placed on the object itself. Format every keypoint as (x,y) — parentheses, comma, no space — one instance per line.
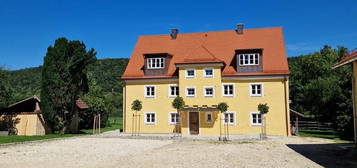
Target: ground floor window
(229,118)
(174,118)
(256,118)
(209,117)
(150,118)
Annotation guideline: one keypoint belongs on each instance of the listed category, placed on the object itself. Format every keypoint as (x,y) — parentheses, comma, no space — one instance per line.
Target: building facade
(242,68)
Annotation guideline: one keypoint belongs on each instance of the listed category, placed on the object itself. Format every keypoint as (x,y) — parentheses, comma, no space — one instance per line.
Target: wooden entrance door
(194,123)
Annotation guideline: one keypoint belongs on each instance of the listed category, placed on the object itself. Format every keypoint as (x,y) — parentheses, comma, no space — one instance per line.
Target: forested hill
(106,72)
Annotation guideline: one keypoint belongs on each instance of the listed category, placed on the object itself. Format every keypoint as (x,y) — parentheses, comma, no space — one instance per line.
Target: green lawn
(115,123)
(326,134)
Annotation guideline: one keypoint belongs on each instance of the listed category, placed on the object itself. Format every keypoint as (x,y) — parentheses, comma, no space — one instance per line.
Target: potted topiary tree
(136,106)
(178,103)
(222,107)
(263,109)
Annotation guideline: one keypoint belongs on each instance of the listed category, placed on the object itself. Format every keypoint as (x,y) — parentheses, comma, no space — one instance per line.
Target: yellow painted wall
(241,103)
(29,125)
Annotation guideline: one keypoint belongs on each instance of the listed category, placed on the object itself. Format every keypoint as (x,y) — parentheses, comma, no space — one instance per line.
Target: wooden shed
(27,117)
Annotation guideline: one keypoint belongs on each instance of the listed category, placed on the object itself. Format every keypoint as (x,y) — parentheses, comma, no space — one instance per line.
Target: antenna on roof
(173,34)
(240,28)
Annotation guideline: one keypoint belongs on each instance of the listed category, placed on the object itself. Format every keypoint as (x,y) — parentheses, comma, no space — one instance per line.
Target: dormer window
(156,63)
(249,59)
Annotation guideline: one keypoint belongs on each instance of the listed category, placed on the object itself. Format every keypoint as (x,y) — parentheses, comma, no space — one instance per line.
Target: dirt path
(116,152)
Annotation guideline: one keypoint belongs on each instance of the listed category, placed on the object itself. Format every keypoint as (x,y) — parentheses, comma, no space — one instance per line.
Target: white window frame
(249,55)
(206,119)
(234,118)
(194,73)
(228,95)
(169,90)
(251,90)
(251,119)
(170,118)
(160,59)
(191,87)
(145,118)
(208,76)
(204,91)
(145,91)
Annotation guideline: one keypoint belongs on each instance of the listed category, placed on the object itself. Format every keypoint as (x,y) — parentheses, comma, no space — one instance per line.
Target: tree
(63,80)
(178,104)
(96,105)
(136,106)
(5,90)
(223,107)
(263,109)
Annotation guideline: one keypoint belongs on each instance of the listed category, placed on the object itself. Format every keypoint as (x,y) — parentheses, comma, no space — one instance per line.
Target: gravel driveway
(99,151)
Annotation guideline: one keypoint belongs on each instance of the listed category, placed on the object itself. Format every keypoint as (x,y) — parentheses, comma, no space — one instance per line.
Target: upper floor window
(256,89)
(190,73)
(190,92)
(149,91)
(208,91)
(208,73)
(155,63)
(173,91)
(249,59)
(228,89)
(229,118)
(256,118)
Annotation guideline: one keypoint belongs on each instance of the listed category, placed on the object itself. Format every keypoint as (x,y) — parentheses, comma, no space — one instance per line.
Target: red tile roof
(212,47)
(347,59)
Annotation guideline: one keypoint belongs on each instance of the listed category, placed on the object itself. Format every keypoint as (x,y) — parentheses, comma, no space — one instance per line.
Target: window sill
(149,97)
(172,96)
(228,95)
(150,123)
(256,124)
(256,95)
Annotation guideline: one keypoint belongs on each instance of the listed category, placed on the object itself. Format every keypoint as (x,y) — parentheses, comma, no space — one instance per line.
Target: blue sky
(111,27)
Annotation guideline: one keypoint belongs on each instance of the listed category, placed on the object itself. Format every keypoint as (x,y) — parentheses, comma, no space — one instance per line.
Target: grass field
(326,134)
(114,123)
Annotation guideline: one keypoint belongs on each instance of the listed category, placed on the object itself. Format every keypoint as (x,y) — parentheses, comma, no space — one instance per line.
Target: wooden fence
(314,125)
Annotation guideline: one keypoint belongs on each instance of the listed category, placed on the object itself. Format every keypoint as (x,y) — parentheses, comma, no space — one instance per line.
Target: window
(155,63)
(256,118)
(256,89)
(208,91)
(190,73)
(228,89)
(150,118)
(149,91)
(173,91)
(174,118)
(249,59)
(209,117)
(208,73)
(190,92)
(229,118)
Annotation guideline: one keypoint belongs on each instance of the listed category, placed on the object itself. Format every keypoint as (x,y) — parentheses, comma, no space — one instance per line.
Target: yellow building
(240,67)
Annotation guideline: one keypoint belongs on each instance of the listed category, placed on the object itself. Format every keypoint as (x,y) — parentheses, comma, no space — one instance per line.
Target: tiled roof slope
(346,59)
(218,46)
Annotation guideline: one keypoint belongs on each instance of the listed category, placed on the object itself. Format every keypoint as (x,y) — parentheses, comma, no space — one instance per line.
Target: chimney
(173,34)
(239,29)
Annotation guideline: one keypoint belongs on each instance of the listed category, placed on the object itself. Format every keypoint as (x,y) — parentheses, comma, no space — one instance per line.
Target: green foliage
(178,103)
(97,105)
(319,91)
(222,107)
(263,108)
(5,91)
(63,80)
(136,105)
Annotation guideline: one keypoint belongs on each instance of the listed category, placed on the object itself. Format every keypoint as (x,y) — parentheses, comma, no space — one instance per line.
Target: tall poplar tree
(63,80)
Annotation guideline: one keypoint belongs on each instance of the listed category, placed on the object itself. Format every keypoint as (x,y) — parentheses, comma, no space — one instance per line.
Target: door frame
(189,125)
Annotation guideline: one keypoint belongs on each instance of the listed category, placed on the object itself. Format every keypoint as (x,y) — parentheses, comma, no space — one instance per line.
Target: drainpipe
(286,107)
